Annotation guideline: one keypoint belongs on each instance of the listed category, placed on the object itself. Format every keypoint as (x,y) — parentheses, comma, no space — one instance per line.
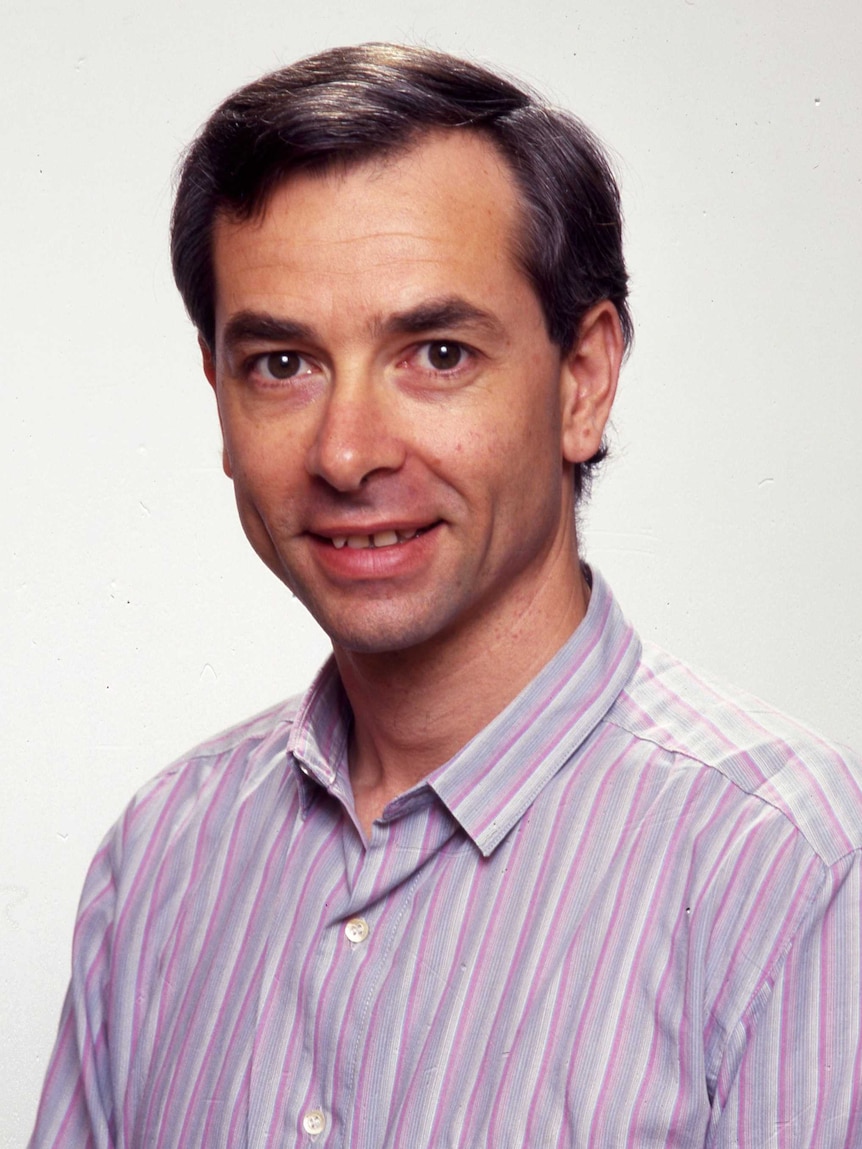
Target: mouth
(377,540)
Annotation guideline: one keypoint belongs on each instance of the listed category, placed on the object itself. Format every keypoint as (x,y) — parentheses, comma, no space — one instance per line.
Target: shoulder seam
(755,795)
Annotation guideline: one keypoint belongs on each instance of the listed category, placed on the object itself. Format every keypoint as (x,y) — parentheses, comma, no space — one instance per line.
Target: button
(314,1122)
(357,930)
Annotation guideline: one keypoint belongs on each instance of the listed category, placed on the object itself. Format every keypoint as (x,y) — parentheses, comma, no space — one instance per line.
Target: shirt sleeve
(77,1108)
(791,1076)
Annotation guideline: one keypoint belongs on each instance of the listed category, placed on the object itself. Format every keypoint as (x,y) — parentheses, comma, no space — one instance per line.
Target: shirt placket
(353,955)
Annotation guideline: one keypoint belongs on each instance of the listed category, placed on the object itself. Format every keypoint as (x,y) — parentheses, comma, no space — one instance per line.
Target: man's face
(392,408)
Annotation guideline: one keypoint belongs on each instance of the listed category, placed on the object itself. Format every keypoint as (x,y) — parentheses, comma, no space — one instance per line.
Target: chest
(417,994)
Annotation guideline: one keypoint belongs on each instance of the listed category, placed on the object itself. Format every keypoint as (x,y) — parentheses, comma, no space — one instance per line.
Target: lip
(350,564)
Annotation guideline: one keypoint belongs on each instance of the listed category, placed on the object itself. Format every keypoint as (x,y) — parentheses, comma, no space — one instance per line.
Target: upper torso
(562,938)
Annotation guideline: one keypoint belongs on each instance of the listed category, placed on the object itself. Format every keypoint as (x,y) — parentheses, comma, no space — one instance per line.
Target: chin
(376,640)
(367,630)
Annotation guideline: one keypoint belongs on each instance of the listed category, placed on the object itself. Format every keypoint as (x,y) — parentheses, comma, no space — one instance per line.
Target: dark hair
(348,104)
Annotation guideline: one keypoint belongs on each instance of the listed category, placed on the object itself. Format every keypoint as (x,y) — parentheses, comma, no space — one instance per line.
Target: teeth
(380,539)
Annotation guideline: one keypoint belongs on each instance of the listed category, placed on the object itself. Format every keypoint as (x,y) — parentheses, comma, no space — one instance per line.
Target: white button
(314,1122)
(357,930)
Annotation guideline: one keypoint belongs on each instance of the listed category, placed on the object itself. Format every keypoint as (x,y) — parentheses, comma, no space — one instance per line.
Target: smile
(378,539)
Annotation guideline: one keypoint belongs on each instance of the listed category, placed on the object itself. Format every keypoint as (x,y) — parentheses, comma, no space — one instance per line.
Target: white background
(137,621)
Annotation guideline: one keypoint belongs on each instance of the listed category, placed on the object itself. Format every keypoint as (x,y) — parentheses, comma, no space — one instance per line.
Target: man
(502,877)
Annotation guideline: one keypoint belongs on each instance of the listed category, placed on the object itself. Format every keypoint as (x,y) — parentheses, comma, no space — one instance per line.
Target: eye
(281,365)
(443,354)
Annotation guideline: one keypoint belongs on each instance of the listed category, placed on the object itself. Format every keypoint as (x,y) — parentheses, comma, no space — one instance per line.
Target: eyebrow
(253,326)
(434,314)
(449,311)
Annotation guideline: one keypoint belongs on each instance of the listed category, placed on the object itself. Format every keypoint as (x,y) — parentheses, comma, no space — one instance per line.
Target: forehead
(437,217)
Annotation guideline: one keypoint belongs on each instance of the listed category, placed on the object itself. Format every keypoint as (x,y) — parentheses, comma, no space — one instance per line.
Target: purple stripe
(627,913)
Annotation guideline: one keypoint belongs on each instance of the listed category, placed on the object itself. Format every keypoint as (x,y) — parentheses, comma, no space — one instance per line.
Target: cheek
(526,440)
(265,516)
(529,469)
(511,451)
(263,460)
(265,498)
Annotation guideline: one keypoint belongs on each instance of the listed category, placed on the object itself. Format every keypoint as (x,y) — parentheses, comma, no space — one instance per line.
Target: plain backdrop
(136,619)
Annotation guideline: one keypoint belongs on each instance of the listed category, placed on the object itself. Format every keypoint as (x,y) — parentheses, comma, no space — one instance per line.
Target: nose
(356,436)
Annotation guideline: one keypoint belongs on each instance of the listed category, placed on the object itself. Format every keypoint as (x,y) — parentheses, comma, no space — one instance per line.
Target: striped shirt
(626,914)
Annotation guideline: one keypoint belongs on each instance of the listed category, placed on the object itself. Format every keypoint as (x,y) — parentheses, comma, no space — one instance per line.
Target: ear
(590,374)
(208,360)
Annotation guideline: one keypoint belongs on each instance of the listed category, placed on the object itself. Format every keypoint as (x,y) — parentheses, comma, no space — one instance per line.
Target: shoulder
(245,743)
(769,758)
(210,782)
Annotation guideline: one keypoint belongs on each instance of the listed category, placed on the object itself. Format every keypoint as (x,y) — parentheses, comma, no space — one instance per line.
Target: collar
(493,780)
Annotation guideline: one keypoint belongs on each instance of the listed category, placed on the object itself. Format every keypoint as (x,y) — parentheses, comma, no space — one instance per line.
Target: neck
(414,709)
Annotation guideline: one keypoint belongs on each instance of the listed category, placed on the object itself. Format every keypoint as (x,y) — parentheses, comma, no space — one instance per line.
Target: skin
(382,365)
